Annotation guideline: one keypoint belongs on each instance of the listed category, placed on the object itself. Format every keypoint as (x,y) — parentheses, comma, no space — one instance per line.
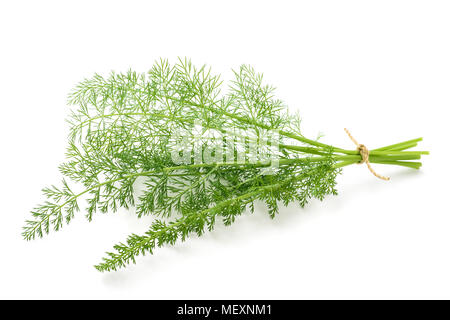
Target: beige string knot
(364,152)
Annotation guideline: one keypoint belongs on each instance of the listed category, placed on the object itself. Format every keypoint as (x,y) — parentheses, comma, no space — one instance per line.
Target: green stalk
(399,145)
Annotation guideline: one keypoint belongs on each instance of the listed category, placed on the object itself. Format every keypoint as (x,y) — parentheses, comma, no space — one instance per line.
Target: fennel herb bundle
(200,155)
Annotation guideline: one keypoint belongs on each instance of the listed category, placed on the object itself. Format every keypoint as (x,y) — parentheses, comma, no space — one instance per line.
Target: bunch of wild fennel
(200,155)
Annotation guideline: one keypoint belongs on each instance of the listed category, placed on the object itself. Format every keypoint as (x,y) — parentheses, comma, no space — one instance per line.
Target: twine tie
(364,152)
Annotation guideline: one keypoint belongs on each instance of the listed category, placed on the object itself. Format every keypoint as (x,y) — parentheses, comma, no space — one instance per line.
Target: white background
(380,68)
